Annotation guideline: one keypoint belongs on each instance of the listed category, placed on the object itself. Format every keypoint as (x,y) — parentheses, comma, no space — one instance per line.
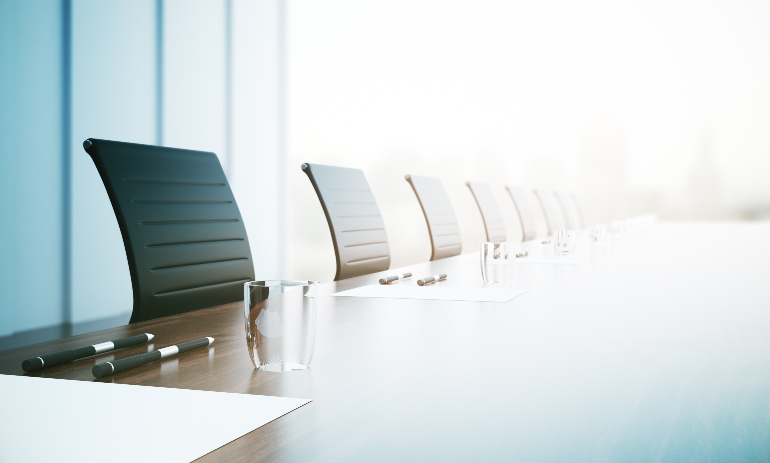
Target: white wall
(258,169)
(31,155)
(194,74)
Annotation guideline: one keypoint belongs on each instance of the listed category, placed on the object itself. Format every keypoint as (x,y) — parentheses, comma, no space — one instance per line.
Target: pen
(386,280)
(116,366)
(425,281)
(75,354)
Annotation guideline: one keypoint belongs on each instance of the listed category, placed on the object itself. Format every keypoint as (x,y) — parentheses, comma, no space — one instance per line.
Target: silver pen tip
(149,336)
(210,340)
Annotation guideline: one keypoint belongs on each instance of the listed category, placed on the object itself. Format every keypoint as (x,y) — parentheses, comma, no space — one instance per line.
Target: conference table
(656,349)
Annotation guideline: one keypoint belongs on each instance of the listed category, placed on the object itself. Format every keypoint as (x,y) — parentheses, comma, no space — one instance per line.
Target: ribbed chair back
(566,208)
(526,217)
(490,211)
(185,240)
(549,209)
(581,213)
(443,228)
(357,228)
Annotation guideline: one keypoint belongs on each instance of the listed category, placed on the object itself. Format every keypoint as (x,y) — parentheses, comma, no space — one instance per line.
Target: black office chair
(185,240)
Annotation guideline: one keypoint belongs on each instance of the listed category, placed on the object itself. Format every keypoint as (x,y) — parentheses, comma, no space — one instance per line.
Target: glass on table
(616,228)
(280,321)
(565,243)
(629,225)
(597,234)
(497,262)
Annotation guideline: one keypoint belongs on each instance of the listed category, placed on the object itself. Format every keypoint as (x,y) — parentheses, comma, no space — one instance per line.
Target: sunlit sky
(657,106)
(528,78)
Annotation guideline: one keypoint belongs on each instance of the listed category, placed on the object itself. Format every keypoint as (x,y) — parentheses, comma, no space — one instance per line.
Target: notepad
(73,421)
(439,293)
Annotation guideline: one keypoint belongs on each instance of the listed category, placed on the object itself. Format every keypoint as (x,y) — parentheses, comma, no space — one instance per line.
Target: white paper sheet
(475,258)
(77,421)
(440,293)
(580,245)
(552,260)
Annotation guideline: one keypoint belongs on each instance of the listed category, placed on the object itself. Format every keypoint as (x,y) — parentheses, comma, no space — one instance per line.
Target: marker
(75,354)
(386,280)
(425,281)
(116,366)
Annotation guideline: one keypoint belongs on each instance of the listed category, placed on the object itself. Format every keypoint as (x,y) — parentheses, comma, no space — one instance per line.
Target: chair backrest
(490,211)
(357,228)
(569,217)
(549,209)
(185,240)
(527,219)
(581,213)
(443,228)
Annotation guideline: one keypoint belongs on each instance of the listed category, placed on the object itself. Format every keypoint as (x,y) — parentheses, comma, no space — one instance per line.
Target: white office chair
(581,213)
(564,203)
(440,216)
(490,212)
(549,209)
(527,219)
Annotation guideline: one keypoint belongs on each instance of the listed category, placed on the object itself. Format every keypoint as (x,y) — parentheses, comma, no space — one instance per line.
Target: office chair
(490,212)
(564,203)
(185,241)
(358,232)
(527,219)
(440,216)
(549,210)
(581,213)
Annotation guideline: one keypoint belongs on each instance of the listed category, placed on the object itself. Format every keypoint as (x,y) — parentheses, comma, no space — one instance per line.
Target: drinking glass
(598,233)
(565,243)
(616,228)
(280,323)
(629,225)
(497,262)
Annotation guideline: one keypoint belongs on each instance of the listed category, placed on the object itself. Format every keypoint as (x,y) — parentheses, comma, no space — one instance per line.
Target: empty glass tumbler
(280,323)
(565,243)
(497,262)
(598,234)
(616,228)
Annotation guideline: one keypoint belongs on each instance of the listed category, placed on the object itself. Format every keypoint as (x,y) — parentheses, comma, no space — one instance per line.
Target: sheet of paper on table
(534,260)
(58,420)
(440,293)
(551,260)
(580,245)
(538,244)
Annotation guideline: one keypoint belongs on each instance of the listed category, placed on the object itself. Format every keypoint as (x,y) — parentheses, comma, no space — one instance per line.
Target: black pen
(425,281)
(116,366)
(386,280)
(75,354)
